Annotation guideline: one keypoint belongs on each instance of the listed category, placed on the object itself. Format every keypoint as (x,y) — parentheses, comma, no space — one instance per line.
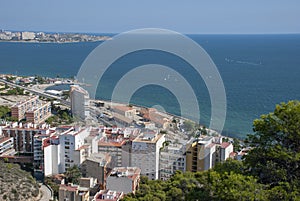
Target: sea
(258,71)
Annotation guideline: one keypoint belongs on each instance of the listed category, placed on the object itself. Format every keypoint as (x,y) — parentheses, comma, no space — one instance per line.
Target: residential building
(79,102)
(39,113)
(19,109)
(38,153)
(226,149)
(200,154)
(108,195)
(25,35)
(126,111)
(66,150)
(172,158)
(145,152)
(124,179)
(6,146)
(52,156)
(114,148)
(73,193)
(23,135)
(97,166)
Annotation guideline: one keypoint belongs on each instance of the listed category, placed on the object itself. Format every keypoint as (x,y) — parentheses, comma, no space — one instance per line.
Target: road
(39,93)
(46,193)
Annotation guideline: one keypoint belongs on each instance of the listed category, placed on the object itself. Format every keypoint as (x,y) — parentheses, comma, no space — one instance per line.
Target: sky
(190,16)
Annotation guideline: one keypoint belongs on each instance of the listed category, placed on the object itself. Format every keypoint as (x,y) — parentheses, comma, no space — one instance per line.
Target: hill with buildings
(19,184)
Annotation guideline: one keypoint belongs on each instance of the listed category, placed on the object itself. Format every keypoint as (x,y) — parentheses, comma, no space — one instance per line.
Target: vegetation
(73,175)
(13,91)
(270,171)
(61,116)
(54,186)
(275,160)
(19,185)
(4,112)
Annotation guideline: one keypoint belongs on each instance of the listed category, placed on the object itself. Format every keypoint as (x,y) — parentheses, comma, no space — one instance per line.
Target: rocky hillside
(16,184)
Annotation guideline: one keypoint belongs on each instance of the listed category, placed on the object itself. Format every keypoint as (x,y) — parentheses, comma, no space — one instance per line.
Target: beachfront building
(26,35)
(172,158)
(19,109)
(124,179)
(125,111)
(66,150)
(79,102)
(145,152)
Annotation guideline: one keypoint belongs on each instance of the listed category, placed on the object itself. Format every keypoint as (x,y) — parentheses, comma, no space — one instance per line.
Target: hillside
(16,184)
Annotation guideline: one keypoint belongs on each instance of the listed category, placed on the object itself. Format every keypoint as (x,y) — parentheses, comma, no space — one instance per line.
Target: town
(110,145)
(27,36)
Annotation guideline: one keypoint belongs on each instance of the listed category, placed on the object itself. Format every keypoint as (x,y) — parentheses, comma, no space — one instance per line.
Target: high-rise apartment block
(79,102)
(145,153)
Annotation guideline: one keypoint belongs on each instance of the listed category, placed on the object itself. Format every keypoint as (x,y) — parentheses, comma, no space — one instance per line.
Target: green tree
(73,174)
(230,165)
(275,157)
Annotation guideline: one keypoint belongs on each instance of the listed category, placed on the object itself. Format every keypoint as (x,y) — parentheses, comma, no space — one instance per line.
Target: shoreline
(43,87)
(53,42)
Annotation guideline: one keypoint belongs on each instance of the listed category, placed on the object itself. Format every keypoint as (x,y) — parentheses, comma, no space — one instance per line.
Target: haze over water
(258,71)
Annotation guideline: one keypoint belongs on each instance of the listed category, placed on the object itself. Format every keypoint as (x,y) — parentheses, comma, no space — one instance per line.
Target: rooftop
(100,158)
(25,101)
(224,145)
(79,89)
(108,195)
(149,137)
(122,108)
(71,188)
(129,172)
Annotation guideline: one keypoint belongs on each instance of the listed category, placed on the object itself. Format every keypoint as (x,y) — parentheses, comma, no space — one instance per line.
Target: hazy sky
(111,16)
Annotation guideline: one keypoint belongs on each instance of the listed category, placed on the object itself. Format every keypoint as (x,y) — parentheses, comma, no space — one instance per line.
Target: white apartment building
(145,153)
(79,102)
(226,149)
(172,158)
(66,150)
(27,35)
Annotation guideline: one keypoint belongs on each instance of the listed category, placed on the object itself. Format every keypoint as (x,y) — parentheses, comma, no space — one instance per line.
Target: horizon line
(187,33)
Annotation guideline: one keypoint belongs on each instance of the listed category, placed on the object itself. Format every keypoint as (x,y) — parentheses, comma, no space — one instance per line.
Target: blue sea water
(259,71)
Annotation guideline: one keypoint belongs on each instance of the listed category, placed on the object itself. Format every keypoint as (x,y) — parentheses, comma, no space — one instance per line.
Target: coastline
(53,42)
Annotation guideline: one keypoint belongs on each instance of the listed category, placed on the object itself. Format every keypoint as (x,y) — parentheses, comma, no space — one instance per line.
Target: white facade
(226,149)
(68,152)
(145,153)
(172,158)
(27,35)
(52,160)
(79,102)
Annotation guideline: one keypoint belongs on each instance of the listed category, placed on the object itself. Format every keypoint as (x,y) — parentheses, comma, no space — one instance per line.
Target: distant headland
(29,36)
